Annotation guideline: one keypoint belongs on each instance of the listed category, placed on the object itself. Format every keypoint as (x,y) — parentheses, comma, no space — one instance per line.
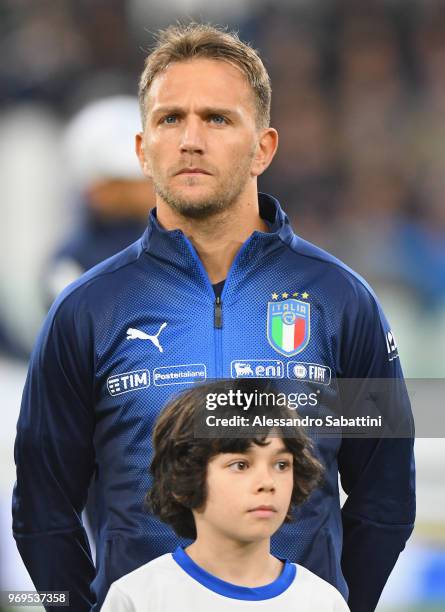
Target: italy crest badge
(288,326)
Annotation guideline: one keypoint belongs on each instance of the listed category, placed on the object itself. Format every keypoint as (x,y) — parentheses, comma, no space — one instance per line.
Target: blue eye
(218,119)
(169,119)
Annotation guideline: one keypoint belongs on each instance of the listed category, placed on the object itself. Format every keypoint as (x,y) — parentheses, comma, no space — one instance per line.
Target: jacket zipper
(217,304)
(217,317)
(217,324)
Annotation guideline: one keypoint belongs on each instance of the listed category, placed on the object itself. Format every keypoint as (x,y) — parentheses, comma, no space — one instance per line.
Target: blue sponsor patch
(179,374)
(128,381)
(257,368)
(313,372)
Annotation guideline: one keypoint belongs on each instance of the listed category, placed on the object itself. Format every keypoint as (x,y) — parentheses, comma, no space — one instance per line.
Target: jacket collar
(174,246)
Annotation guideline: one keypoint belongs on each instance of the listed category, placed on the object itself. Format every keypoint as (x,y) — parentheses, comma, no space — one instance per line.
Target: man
(217,266)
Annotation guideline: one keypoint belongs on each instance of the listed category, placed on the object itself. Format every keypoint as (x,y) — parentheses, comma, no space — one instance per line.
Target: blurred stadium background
(359,100)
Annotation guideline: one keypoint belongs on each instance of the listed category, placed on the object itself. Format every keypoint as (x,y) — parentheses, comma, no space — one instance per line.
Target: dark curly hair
(179,464)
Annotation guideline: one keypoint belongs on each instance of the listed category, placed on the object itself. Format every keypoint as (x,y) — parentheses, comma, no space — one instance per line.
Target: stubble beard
(223,197)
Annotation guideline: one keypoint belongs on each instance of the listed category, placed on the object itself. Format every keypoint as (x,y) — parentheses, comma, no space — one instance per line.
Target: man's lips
(192,171)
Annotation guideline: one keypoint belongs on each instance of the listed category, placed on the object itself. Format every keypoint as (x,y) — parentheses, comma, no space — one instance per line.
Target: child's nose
(266,481)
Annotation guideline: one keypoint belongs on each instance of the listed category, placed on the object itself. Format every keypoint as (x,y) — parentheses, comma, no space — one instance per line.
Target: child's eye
(239,466)
(282,466)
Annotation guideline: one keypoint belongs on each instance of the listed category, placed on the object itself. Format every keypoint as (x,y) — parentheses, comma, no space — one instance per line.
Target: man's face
(200,137)
(248,494)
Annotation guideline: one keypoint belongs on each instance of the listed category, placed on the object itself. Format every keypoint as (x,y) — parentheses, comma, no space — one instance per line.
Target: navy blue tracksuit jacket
(139,327)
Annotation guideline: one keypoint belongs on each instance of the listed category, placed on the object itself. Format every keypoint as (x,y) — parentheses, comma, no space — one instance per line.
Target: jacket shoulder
(75,294)
(335,270)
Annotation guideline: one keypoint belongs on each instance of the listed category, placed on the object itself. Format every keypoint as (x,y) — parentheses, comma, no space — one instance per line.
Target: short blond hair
(185,42)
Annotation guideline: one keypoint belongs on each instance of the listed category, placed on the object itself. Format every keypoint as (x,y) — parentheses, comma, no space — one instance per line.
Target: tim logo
(313,372)
(257,368)
(128,381)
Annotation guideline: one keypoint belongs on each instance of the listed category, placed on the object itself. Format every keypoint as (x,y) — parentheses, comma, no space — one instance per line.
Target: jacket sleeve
(377,475)
(55,459)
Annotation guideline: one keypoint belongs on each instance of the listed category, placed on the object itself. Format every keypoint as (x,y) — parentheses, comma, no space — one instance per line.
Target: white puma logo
(137,334)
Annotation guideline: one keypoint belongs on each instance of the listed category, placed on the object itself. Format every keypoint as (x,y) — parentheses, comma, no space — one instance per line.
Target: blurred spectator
(372,98)
(9,346)
(429,44)
(421,238)
(306,173)
(45,51)
(32,213)
(112,196)
(368,224)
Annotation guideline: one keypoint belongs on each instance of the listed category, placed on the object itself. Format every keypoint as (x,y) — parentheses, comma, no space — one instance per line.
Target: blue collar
(174,247)
(234,591)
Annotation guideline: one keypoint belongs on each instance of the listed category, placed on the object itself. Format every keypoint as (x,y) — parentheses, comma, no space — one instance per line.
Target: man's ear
(266,149)
(140,152)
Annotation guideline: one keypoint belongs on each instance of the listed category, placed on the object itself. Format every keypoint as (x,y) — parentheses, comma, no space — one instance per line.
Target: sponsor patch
(288,326)
(179,374)
(313,372)
(391,345)
(137,334)
(257,368)
(128,381)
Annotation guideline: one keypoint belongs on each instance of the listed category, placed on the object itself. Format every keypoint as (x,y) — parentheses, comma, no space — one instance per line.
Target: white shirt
(175,582)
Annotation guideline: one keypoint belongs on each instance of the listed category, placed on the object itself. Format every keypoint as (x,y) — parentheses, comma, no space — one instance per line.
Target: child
(228,494)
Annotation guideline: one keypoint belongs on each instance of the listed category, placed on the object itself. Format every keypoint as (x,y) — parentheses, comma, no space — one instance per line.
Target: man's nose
(192,137)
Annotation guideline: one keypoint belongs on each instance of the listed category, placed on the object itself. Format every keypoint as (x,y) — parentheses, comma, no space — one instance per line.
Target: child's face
(248,494)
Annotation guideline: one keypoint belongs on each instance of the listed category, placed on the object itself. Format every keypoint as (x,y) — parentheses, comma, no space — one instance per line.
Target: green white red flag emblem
(288,326)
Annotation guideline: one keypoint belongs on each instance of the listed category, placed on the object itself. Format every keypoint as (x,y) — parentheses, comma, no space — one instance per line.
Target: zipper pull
(218,313)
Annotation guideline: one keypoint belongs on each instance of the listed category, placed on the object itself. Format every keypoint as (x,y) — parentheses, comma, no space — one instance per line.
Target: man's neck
(217,239)
(244,564)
